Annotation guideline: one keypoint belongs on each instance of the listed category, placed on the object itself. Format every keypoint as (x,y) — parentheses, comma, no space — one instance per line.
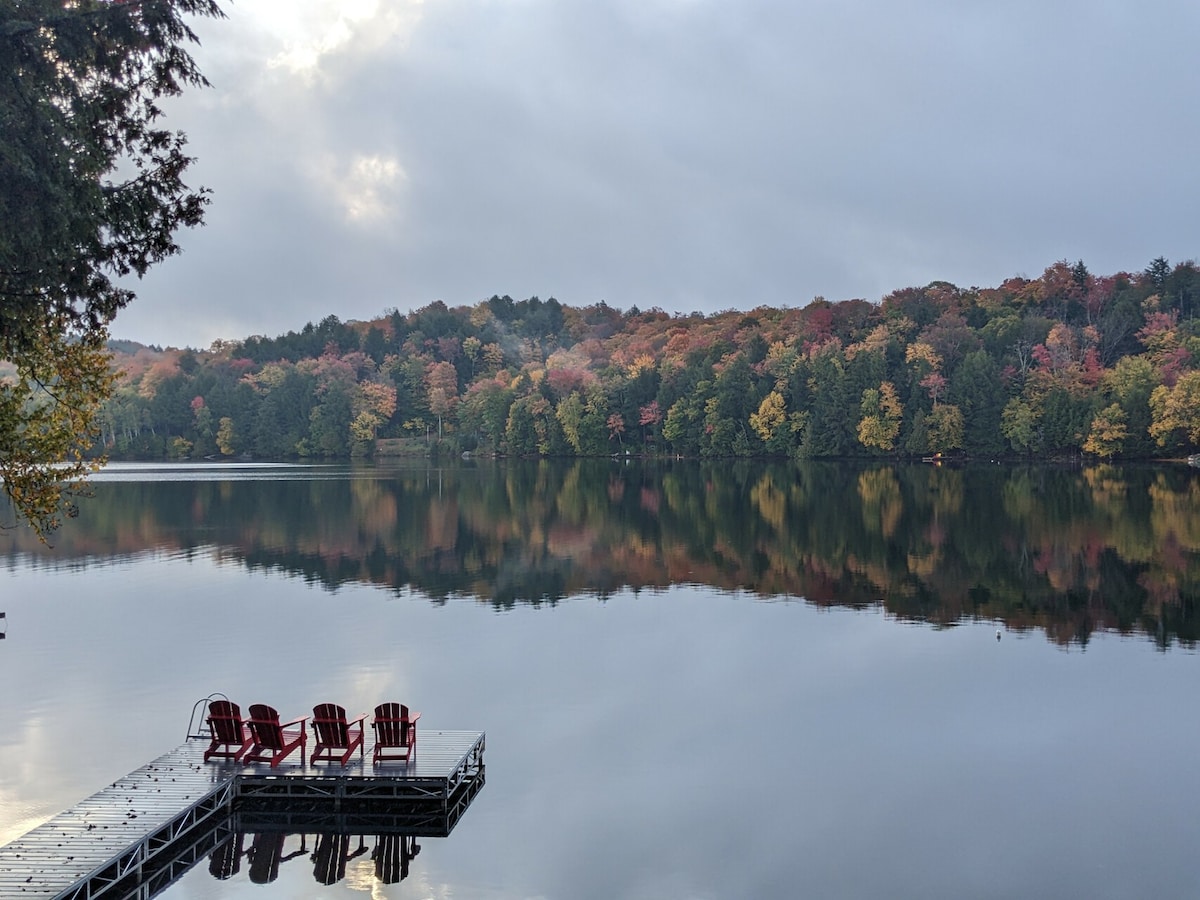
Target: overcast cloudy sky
(686,154)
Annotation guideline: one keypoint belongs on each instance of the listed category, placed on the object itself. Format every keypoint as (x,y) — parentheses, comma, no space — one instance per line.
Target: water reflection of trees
(1066,550)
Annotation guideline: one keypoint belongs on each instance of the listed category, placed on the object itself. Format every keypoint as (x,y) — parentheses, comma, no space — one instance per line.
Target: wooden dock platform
(158,821)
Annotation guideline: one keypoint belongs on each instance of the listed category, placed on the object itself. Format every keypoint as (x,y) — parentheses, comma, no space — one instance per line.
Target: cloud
(317,30)
(688,155)
(366,188)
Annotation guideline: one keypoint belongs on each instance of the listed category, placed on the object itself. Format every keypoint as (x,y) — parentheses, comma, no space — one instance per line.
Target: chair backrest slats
(264,722)
(391,724)
(329,720)
(225,720)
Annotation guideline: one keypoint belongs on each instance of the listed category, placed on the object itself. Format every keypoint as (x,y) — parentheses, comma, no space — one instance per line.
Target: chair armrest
(300,721)
(359,719)
(414,717)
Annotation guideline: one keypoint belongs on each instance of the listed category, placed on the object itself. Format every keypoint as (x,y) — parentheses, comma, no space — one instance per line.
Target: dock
(142,832)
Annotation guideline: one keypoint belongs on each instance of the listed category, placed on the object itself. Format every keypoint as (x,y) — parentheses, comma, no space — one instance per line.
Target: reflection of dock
(391,853)
(145,830)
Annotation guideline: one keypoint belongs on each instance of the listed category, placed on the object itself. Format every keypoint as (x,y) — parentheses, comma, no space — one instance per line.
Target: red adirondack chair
(228,730)
(273,742)
(395,732)
(336,737)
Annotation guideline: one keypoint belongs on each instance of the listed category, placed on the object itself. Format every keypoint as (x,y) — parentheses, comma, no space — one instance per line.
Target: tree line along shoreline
(1065,365)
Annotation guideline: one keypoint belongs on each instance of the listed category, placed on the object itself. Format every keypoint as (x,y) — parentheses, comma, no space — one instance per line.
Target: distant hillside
(1065,364)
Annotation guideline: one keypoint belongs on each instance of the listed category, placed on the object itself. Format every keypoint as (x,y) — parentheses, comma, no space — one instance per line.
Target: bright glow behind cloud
(369,187)
(304,32)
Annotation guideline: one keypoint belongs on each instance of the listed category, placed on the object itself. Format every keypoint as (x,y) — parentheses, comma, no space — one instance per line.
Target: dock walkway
(135,828)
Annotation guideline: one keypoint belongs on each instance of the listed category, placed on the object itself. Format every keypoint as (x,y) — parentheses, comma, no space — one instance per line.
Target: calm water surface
(651,732)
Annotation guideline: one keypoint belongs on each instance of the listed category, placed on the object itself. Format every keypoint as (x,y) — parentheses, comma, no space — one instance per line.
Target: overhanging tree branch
(79,103)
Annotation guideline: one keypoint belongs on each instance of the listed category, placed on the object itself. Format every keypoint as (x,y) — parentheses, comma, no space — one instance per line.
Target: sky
(689,155)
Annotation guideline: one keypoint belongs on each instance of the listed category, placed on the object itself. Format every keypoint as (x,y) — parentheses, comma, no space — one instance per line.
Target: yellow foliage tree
(226,436)
(921,352)
(1108,432)
(48,421)
(1176,409)
(772,413)
(882,414)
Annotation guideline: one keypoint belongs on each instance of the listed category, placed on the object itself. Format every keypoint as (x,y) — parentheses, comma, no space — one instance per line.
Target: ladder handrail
(198,722)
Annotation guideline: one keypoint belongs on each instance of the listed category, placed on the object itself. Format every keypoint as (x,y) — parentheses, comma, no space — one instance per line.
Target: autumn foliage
(1065,364)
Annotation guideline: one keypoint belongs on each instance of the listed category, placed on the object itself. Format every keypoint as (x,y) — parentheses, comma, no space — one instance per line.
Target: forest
(1066,364)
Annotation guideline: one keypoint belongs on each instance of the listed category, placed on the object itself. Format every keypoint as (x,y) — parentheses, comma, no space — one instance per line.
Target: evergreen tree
(977,390)
(91,190)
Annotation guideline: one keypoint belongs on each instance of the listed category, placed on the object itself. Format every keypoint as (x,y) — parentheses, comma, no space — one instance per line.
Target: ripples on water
(224,471)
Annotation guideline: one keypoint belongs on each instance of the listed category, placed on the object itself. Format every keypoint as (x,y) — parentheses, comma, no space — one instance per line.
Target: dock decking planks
(119,832)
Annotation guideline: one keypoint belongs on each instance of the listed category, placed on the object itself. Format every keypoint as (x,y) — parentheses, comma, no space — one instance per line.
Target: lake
(697,680)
